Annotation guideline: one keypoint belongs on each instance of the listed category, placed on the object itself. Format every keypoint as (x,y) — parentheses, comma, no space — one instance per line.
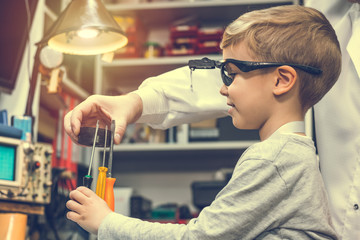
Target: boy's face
(250,94)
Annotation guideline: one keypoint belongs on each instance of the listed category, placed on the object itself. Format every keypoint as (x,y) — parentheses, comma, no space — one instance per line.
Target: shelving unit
(224,145)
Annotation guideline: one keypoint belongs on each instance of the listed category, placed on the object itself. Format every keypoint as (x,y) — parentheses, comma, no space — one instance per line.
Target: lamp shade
(101,33)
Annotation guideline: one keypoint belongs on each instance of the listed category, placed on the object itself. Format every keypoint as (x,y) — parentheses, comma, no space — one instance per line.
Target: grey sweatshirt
(276,192)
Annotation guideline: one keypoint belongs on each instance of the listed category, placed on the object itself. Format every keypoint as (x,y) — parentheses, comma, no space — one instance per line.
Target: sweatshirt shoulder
(270,149)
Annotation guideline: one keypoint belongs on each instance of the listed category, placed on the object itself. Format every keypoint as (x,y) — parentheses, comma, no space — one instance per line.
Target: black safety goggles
(247,66)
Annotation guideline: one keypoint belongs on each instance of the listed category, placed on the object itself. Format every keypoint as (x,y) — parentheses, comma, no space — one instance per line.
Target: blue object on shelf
(12,132)
(4,117)
(24,123)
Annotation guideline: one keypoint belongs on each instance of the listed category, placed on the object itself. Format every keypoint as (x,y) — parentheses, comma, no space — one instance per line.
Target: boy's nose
(224,90)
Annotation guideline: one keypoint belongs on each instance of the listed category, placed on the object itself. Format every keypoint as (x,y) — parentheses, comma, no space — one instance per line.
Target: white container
(122,197)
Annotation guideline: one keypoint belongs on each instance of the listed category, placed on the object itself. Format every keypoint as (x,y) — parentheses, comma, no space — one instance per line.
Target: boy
(277,64)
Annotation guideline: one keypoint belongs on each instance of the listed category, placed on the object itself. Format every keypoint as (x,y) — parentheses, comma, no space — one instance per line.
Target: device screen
(7,162)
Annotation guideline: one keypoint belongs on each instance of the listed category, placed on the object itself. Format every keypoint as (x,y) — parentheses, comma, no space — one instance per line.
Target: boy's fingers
(78,196)
(86,191)
(73,216)
(73,206)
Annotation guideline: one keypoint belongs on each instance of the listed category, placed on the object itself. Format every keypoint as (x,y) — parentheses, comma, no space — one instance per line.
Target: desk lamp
(85,27)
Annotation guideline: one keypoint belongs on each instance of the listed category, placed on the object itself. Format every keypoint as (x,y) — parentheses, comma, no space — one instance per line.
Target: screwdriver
(109,189)
(87,180)
(101,181)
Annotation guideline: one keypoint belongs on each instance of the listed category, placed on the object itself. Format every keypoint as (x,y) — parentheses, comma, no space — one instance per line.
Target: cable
(28,14)
(51,209)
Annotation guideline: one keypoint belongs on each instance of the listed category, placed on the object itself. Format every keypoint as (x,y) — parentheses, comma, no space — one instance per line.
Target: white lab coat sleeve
(174,98)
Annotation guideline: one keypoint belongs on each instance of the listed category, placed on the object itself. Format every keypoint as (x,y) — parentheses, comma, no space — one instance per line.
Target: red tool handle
(109,193)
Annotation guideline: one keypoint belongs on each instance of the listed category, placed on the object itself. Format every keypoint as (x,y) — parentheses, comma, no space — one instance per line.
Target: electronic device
(25,171)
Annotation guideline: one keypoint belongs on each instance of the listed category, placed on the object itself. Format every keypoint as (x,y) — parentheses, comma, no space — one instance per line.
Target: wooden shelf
(165,13)
(74,89)
(54,102)
(50,101)
(218,145)
(117,7)
(204,156)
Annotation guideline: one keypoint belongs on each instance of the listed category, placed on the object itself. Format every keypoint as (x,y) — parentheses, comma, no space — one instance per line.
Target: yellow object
(152,50)
(101,182)
(125,22)
(13,226)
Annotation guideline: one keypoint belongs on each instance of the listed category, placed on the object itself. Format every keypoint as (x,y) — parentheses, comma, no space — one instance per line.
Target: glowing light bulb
(88,33)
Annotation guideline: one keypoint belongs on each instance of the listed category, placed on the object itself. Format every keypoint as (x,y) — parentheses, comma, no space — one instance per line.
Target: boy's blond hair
(291,34)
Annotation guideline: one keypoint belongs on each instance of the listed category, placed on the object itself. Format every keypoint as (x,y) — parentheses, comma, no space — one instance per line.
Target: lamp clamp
(204,63)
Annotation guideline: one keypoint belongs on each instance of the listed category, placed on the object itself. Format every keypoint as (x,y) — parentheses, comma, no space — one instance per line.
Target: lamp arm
(33,82)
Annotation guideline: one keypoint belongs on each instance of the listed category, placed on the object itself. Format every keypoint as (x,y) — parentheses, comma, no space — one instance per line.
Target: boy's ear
(286,77)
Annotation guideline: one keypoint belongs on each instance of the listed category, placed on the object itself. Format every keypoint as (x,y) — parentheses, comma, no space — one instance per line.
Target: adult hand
(87,209)
(123,109)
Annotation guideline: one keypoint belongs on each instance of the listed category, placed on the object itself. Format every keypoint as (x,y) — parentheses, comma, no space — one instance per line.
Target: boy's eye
(231,75)
(231,70)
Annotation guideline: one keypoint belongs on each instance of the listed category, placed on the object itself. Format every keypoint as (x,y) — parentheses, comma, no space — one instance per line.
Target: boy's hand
(87,209)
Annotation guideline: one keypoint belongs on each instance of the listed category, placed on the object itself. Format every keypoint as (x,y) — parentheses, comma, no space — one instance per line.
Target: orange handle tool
(109,193)
(100,186)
